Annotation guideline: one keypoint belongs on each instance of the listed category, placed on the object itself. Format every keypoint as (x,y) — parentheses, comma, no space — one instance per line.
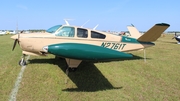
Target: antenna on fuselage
(67,23)
(95,26)
(85,23)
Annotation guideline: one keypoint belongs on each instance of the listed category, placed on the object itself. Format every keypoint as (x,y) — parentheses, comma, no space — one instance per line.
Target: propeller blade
(15,42)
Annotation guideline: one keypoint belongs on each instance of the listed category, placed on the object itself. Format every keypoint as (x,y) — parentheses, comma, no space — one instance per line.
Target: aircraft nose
(45,49)
(14,37)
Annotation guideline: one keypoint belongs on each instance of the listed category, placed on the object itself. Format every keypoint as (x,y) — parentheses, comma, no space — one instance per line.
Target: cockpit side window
(66,32)
(97,35)
(82,33)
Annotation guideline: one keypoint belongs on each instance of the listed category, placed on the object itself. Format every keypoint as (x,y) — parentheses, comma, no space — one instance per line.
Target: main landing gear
(69,69)
(72,65)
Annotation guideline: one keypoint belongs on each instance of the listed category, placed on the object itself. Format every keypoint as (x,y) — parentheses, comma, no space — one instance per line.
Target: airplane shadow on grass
(87,77)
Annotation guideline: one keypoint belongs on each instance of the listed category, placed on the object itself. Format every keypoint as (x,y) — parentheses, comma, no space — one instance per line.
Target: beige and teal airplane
(76,44)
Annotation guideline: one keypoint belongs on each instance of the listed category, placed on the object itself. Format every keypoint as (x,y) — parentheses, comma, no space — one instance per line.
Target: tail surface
(154,33)
(133,32)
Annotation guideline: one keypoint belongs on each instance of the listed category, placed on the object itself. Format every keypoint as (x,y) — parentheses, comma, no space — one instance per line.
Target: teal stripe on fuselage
(85,52)
(126,39)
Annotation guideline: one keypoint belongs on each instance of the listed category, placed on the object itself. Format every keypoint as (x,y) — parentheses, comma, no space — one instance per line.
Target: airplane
(77,44)
(177,37)
(2,32)
(11,32)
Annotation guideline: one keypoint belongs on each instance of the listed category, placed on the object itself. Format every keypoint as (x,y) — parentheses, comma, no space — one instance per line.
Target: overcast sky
(109,14)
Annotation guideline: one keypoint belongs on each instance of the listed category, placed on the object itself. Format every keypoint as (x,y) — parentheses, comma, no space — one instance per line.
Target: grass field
(44,77)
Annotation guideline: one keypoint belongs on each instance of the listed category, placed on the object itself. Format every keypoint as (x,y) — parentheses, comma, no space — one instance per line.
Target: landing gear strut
(69,69)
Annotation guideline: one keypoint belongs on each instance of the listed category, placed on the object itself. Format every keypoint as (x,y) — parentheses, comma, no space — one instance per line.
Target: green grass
(133,79)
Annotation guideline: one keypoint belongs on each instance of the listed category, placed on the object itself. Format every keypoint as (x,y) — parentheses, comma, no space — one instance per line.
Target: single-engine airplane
(177,37)
(76,44)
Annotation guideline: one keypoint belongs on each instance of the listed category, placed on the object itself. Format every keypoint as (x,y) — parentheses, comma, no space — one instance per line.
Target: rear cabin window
(82,33)
(66,32)
(97,35)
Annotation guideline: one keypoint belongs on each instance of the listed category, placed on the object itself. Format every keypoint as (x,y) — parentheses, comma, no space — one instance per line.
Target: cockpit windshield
(53,29)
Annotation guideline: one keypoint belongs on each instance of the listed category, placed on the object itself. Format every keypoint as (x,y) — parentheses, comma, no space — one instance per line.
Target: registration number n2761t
(112,45)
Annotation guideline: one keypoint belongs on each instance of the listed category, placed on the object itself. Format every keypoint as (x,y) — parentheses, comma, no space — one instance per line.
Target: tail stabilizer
(133,32)
(154,33)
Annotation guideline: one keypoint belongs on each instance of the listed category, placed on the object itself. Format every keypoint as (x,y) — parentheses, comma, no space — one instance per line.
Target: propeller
(16,40)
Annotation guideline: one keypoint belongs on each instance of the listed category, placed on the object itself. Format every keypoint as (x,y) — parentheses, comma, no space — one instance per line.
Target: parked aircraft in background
(177,37)
(2,32)
(76,44)
(11,32)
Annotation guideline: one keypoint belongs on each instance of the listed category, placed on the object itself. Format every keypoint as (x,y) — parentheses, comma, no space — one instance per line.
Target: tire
(23,63)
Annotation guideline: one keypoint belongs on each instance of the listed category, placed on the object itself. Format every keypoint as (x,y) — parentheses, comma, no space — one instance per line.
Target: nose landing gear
(23,60)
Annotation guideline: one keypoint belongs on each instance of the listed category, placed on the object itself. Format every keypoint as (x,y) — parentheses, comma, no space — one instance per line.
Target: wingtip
(163,24)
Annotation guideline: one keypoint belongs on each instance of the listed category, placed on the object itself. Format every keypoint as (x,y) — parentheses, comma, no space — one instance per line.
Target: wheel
(72,69)
(22,62)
